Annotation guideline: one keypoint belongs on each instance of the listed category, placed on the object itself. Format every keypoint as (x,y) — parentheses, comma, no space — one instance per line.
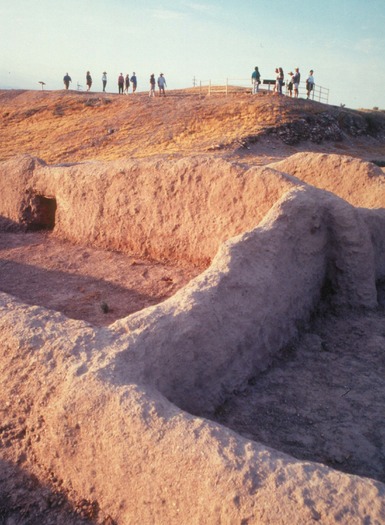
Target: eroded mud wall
(230,321)
(177,210)
(360,183)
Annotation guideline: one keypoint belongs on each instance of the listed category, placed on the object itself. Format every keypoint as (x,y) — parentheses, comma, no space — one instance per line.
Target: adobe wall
(358,182)
(177,210)
(105,409)
(261,287)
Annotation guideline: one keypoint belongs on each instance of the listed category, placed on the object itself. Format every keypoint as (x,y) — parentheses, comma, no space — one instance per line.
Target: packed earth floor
(322,398)
(84,283)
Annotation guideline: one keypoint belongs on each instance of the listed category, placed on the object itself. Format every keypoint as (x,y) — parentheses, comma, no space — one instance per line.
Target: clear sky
(343,41)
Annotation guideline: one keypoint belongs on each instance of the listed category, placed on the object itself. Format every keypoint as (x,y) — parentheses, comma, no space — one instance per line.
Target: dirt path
(84,283)
(322,399)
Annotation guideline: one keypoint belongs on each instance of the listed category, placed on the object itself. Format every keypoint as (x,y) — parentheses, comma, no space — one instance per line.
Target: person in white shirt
(310,83)
(161,85)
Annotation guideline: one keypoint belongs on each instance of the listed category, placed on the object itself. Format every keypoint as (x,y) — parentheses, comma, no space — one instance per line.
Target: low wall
(178,210)
(229,322)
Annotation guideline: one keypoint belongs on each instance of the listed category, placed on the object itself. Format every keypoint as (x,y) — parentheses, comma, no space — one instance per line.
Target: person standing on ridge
(104,80)
(152,86)
(88,80)
(121,83)
(67,79)
(290,84)
(134,82)
(161,85)
(126,84)
(280,80)
(255,80)
(296,81)
(310,83)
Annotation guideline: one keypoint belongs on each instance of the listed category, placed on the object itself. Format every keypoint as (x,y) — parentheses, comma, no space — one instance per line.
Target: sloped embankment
(70,126)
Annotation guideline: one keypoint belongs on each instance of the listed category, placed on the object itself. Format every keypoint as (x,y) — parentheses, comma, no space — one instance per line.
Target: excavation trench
(249,252)
(318,401)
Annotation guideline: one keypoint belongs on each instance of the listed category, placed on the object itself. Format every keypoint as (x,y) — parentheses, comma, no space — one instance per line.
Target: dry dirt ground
(321,400)
(72,126)
(84,283)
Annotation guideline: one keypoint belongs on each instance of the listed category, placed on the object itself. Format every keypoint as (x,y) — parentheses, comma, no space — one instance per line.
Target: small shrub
(104,307)
(30,112)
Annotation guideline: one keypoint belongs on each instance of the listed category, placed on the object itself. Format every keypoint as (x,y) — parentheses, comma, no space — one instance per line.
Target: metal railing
(234,85)
(319,93)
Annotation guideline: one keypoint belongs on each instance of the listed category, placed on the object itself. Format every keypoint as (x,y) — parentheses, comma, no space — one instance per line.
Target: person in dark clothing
(134,82)
(121,83)
(152,86)
(255,80)
(126,84)
(67,79)
(88,80)
(296,81)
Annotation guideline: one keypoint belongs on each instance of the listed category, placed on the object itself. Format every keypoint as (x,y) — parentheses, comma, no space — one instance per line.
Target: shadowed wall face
(39,213)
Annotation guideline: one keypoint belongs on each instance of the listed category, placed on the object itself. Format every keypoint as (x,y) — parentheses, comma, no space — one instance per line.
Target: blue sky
(342,40)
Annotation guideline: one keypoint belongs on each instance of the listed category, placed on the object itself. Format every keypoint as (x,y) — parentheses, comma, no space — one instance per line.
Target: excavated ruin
(123,417)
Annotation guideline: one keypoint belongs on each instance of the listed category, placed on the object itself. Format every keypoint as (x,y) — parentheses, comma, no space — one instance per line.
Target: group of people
(124,83)
(292,84)
(161,85)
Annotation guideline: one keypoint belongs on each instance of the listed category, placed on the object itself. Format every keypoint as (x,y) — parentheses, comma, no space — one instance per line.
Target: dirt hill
(74,126)
(191,310)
